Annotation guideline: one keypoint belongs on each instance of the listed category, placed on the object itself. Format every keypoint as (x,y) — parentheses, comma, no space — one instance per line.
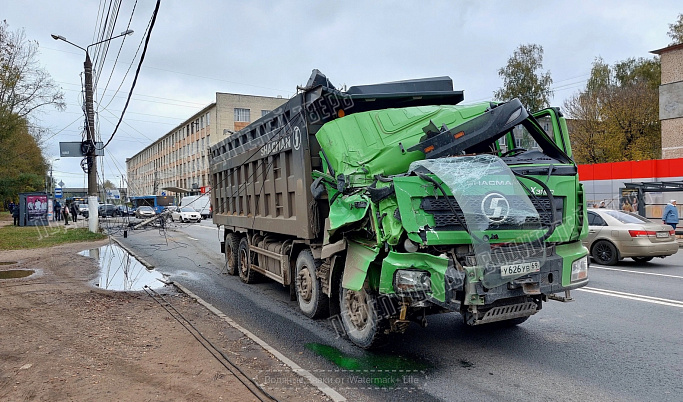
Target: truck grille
(444,219)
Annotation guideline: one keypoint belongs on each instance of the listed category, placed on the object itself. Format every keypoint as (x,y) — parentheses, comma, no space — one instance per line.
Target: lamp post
(52,183)
(90,127)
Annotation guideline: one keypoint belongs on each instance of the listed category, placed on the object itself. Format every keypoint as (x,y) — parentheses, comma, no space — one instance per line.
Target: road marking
(315,381)
(631,296)
(637,272)
(192,238)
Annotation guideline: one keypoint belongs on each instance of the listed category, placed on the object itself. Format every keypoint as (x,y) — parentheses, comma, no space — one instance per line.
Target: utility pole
(90,127)
(91,158)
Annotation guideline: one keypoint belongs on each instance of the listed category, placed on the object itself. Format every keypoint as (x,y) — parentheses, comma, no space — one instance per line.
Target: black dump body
(261,175)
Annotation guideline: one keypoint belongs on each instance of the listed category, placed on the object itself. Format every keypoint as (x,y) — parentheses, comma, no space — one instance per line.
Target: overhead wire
(137,72)
(129,66)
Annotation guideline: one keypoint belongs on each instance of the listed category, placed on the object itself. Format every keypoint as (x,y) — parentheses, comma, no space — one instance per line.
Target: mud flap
(358,259)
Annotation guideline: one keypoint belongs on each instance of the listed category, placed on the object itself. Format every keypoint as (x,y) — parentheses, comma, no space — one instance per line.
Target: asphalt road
(620,339)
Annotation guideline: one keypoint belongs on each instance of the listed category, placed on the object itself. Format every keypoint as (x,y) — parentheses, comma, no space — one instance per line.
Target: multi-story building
(671,100)
(178,161)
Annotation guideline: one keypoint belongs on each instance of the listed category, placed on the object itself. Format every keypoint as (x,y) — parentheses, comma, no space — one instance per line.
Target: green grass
(17,238)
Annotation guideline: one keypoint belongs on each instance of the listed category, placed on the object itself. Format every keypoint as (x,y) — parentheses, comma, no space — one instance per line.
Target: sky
(267,48)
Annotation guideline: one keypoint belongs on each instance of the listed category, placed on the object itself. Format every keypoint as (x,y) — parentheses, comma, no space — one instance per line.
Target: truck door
(552,121)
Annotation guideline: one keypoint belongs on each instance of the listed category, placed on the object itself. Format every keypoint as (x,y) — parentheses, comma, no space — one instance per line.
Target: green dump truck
(382,204)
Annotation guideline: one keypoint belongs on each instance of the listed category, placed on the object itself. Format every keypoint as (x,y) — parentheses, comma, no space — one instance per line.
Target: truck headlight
(580,269)
(412,281)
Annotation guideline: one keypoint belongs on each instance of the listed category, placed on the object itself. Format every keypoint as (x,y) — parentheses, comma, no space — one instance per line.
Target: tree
(676,31)
(22,167)
(523,78)
(616,117)
(25,87)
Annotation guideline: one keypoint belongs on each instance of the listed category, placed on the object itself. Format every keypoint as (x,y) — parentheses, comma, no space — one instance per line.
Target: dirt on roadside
(61,338)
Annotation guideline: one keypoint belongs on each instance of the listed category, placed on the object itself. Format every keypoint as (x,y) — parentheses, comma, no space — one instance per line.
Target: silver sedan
(615,235)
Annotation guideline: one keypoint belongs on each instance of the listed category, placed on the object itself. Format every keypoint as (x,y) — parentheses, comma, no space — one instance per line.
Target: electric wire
(137,72)
(218,354)
(129,66)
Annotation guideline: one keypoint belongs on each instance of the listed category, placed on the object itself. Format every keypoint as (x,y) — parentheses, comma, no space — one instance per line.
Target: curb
(313,380)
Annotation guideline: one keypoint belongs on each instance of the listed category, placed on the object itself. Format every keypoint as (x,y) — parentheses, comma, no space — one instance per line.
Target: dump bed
(261,175)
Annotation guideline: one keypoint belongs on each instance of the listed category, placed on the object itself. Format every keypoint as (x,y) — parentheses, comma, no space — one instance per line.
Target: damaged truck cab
(417,205)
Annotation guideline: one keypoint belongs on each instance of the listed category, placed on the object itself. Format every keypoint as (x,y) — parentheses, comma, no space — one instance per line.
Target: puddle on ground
(16,273)
(383,371)
(121,271)
(8,262)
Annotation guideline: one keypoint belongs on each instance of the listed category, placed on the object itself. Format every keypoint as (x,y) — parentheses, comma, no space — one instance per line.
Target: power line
(137,72)
(117,58)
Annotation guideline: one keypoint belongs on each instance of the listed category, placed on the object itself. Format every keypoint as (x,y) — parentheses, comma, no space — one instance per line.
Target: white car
(185,214)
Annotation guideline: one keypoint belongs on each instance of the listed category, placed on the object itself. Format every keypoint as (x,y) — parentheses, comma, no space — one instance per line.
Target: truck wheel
(312,301)
(232,246)
(247,275)
(605,253)
(359,317)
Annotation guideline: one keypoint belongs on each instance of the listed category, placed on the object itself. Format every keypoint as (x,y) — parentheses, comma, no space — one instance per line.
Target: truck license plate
(520,269)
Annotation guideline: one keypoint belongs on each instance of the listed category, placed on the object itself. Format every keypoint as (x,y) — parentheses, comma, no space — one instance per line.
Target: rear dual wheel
(246,258)
(232,244)
(312,301)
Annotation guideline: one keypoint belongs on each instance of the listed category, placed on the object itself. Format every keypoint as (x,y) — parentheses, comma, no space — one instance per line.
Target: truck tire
(232,246)
(247,275)
(362,324)
(605,253)
(312,301)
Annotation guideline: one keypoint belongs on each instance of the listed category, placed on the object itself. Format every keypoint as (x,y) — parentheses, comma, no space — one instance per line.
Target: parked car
(200,203)
(124,210)
(615,235)
(83,208)
(186,214)
(144,212)
(105,210)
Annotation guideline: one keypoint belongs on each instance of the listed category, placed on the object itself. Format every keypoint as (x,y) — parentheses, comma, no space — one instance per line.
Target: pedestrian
(602,204)
(58,211)
(15,215)
(65,214)
(74,212)
(670,215)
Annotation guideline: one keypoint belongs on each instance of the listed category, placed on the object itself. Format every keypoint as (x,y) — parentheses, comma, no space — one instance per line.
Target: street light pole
(90,128)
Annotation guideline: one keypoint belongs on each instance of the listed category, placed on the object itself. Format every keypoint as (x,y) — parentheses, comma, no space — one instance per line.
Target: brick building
(177,163)
(671,100)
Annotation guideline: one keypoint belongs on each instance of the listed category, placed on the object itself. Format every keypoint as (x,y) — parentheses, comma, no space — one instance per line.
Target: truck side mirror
(317,188)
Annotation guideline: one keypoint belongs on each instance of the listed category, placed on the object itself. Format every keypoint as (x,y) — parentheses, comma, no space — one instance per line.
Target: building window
(242,114)
(208,119)
(264,112)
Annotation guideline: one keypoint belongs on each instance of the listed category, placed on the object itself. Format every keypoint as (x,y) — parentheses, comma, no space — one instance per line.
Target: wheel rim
(305,283)
(356,305)
(603,252)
